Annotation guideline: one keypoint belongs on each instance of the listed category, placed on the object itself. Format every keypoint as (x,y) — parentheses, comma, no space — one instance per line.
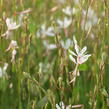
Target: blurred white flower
(92,36)
(5,66)
(68,10)
(49,46)
(14,52)
(66,44)
(11,25)
(7,34)
(43,31)
(10,85)
(22,14)
(65,23)
(26,11)
(80,54)
(12,45)
(91,19)
(3,70)
(61,105)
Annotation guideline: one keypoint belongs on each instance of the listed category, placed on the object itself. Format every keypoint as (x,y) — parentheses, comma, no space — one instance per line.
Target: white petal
(73,80)
(71,52)
(8,22)
(60,23)
(67,22)
(68,107)
(83,59)
(5,67)
(50,33)
(78,73)
(68,10)
(72,59)
(77,48)
(68,43)
(62,105)
(43,27)
(82,51)
(14,27)
(57,106)
(52,46)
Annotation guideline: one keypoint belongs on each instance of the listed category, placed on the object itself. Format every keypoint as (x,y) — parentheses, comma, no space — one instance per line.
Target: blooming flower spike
(12,45)
(65,23)
(80,54)
(11,25)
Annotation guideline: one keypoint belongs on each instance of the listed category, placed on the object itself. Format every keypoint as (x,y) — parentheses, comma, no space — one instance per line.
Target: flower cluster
(80,54)
(13,45)
(91,19)
(43,31)
(65,23)
(11,25)
(78,58)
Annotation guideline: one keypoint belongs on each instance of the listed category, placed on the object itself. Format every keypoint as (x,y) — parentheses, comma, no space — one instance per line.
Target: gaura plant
(78,57)
(11,25)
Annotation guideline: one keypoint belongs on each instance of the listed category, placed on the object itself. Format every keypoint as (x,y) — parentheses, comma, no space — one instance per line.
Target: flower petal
(77,48)
(8,22)
(72,59)
(67,22)
(71,52)
(82,59)
(82,51)
(57,106)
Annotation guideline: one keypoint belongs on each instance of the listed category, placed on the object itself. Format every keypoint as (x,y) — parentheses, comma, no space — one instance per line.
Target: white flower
(65,23)
(12,45)
(14,52)
(45,31)
(91,19)
(62,106)
(3,70)
(7,34)
(80,55)
(68,10)
(26,11)
(11,25)
(22,14)
(49,46)
(5,67)
(66,44)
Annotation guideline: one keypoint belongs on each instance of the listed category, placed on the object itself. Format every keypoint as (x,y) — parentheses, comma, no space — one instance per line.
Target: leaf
(83,67)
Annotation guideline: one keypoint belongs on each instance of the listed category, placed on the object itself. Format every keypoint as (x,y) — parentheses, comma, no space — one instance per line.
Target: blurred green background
(39,78)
